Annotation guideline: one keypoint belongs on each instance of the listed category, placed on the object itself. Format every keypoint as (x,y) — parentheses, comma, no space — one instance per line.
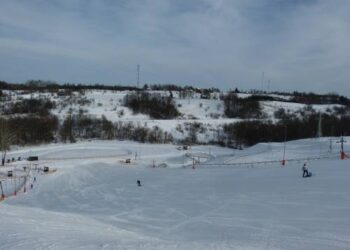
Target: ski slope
(92,200)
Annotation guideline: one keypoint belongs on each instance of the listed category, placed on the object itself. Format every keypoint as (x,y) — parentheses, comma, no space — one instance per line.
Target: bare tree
(6,138)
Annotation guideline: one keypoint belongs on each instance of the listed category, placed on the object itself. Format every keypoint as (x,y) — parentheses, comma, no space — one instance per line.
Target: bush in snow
(236,107)
(155,105)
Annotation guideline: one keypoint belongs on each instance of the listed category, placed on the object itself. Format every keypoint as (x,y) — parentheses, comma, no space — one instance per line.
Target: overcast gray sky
(300,45)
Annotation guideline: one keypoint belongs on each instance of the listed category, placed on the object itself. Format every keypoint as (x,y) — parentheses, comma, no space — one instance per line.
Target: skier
(139,183)
(305,171)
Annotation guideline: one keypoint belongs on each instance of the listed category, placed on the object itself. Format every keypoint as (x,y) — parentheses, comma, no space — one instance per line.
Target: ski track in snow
(94,203)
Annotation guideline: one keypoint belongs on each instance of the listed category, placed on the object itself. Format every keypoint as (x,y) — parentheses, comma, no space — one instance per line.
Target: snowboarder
(305,171)
(139,183)
(31,186)
(34,179)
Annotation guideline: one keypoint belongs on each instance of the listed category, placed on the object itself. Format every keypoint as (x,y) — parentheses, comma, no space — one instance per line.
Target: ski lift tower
(342,153)
(319,127)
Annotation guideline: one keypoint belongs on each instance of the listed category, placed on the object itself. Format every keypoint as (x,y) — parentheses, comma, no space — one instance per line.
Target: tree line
(247,133)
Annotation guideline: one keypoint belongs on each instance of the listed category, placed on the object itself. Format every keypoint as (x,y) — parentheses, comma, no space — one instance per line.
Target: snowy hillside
(208,114)
(232,200)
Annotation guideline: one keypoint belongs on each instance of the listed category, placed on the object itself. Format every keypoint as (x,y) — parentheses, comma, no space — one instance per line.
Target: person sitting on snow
(305,170)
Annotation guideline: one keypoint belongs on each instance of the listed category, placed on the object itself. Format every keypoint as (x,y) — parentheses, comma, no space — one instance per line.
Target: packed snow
(231,199)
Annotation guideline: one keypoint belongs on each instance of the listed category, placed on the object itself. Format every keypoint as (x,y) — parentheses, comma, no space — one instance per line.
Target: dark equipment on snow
(33,158)
(9,173)
(309,174)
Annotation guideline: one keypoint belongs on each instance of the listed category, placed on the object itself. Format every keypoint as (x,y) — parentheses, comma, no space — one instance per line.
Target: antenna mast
(138,75)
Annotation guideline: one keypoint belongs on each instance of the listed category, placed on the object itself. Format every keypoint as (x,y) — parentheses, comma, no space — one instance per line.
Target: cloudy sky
(300,45)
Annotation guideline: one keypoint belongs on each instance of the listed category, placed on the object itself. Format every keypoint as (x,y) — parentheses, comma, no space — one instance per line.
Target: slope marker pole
(284,146)
(342,153)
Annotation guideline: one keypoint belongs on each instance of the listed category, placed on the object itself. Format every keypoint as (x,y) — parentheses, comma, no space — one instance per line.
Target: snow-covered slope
(92,200)
(209,113)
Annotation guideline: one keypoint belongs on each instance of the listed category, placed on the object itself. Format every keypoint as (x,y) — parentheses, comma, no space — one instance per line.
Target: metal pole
(15,192)
(342,156)
(138,75)
(342,153)
(2,192)
(284,146)
(25,183)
